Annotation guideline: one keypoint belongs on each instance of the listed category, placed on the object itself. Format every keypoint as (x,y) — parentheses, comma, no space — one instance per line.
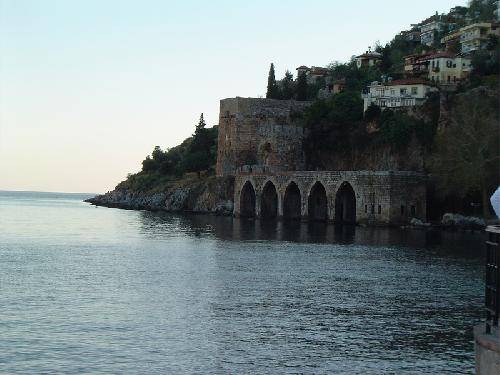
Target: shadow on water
(233,229)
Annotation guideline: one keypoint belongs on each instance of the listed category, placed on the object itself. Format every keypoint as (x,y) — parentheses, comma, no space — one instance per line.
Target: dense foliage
(196,154)
(273,91)
(466,156)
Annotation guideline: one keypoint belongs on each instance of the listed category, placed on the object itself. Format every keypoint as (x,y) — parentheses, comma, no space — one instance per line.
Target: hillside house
(472,37)
(447,68)
(396,94)
(336,86)
(416,65)
(451,39)
(412,35)
(313,73)
(430,28)
(368,59)
(332,87)
(475,37)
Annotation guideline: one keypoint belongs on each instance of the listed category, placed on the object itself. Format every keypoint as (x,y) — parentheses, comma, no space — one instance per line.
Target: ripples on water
(85,289)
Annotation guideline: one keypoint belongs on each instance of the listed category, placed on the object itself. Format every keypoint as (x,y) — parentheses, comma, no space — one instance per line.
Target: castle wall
(261,133)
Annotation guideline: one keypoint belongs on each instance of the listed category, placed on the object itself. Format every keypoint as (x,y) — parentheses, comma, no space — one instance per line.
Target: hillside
(453,135)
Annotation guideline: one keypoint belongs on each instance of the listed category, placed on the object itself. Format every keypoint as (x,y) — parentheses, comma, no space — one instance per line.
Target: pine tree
(201,123)
(272,87)
(302,86)
(287,86)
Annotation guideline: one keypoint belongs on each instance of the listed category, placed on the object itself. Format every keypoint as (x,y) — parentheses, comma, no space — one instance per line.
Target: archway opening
(247,200)
(269,202)
(292,202)
(345,204)
(318,203)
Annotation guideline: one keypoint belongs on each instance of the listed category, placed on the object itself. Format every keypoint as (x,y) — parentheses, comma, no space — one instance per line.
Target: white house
(397,94)
(447,68)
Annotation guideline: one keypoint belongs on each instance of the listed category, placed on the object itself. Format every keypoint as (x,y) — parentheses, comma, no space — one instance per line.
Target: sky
(89,87)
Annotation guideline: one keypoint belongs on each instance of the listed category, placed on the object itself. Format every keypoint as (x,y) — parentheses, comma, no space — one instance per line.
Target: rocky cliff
(203,195)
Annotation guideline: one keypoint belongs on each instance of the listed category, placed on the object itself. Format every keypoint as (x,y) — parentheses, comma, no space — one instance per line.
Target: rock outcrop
(457,220)
(204,195)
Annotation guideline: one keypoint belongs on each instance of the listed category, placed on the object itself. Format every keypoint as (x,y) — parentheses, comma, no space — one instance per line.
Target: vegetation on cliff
(466,155)
(197,154)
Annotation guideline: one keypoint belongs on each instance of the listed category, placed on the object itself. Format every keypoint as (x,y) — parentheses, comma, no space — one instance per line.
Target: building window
(402,210)
(393,92)
(449,79)
(449,64)
(414,90)
(373,208)
(379,209)
(413,211)
(402,91)
(366,208)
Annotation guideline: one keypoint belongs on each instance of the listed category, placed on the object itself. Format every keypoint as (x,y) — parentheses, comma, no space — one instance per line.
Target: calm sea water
(98,290)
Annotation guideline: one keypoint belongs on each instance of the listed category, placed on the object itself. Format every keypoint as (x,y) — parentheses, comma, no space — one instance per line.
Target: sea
(87,289)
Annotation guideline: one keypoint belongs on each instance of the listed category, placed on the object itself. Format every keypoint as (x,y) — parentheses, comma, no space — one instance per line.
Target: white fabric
(495,202)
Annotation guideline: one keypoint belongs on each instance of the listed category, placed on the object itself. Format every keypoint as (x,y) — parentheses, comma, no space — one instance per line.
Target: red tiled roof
(408,81)
(302,67)
(318,70)
(437,55)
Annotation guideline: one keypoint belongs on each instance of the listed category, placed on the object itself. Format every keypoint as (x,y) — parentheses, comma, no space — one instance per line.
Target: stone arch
(317,203)
(345,204)
(292,202)
(247,200)
(269,201)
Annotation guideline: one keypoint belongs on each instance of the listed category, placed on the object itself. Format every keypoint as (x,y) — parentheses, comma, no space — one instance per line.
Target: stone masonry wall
(261,133)
(379,196)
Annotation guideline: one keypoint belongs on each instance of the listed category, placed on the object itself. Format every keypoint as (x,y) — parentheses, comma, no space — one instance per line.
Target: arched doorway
(247,200)
(292,202)
(318,203)
(269,201)
(345,204)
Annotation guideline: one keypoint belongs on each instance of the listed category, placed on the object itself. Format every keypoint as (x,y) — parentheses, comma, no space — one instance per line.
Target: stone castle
(260,144)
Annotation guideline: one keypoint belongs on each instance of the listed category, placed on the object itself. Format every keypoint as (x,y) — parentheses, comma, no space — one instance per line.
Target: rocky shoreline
(214,195)
(207,195)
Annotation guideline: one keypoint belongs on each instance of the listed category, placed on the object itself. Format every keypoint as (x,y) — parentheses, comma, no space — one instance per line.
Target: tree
(482,10)
(302,86)
(372,112)
(201,123)
(467,153)
(272,87)
(148,164)
(287,86)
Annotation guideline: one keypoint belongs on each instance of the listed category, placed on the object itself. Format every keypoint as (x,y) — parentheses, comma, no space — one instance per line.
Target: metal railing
(492,278)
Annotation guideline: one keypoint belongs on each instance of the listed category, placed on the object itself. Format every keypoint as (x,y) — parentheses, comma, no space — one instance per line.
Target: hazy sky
(89,87)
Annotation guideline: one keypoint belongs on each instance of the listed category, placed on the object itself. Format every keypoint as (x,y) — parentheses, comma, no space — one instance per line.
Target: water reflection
(467,244)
